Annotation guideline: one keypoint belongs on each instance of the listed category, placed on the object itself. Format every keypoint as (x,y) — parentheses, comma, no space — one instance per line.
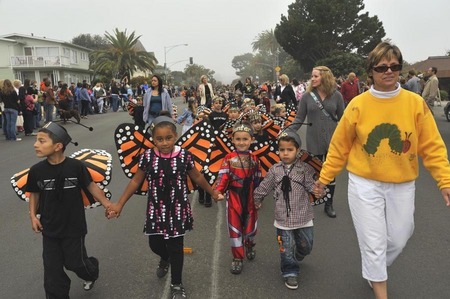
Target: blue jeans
(48,109)
(38,116)
(115,102)
(9,123)
(294,246)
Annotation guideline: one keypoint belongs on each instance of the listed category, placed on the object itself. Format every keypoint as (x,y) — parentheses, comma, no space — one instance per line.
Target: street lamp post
(166,50)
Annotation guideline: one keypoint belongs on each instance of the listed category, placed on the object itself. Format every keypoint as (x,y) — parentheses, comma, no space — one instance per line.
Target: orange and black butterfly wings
(98,163)
(18,182)
(198,140)
(131,141)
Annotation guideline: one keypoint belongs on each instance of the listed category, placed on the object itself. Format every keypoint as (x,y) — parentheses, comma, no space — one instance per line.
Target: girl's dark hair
(160,83)
(63,88)
(165,124)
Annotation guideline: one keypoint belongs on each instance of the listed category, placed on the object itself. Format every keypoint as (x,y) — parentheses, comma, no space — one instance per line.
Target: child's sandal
(236,266)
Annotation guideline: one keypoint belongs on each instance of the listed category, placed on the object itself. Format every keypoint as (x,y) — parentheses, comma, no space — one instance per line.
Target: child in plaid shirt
(292,180)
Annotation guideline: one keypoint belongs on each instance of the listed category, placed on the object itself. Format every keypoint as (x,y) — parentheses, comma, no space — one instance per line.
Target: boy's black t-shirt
(60,202)
(217,119)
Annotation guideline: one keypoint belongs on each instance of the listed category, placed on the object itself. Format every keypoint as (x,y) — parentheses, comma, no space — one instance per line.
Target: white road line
(216,252)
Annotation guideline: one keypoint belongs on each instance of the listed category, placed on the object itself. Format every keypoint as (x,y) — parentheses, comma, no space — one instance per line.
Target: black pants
(69,253)
(202,194)
(85,107)
(28,121)
(170,250)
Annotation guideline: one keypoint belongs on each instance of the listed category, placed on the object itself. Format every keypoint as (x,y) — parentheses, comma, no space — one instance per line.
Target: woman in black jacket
(284,92)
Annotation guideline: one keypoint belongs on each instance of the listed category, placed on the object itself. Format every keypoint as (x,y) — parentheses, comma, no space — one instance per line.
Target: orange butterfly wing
(98,163)
(131,141)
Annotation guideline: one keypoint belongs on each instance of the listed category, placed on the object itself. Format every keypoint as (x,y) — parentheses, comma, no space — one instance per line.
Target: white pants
(383,216)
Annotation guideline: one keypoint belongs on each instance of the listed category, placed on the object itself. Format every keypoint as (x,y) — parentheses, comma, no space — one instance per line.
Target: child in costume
(290,180)
(168,214)
(55,186)
(239,175)
(261,136)
(216,118)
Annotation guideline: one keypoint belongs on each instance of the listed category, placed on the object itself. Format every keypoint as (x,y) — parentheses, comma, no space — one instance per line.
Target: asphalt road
(127,266)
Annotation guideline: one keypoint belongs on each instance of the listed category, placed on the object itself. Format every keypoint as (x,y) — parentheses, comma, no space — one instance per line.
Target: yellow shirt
(381,139)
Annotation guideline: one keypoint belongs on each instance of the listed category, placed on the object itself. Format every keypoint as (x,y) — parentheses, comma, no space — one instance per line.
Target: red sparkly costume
(240,174)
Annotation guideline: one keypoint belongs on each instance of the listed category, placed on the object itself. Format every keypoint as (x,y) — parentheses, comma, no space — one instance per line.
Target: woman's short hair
(203,77)
(382,50)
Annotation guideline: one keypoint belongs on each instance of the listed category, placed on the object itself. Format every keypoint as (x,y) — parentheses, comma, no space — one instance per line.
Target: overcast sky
(215,30)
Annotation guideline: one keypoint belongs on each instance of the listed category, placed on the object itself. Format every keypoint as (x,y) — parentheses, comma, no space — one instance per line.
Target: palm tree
(266,42)
(123,56)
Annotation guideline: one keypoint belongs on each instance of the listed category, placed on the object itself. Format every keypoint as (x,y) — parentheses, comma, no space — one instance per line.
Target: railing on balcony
(40,61)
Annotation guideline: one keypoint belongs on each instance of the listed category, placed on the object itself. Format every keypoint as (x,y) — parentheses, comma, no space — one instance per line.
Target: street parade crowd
(346,120)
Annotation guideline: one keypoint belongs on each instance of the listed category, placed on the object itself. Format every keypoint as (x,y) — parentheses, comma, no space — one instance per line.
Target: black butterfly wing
(315,163)
(131,141)
(19,182)
(219,149)
(99,164)
(198,140)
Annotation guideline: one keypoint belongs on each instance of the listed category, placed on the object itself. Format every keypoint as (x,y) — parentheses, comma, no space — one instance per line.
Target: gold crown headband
(243,128)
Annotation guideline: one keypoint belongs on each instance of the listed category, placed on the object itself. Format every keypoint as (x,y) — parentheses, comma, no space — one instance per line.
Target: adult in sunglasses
(380,137)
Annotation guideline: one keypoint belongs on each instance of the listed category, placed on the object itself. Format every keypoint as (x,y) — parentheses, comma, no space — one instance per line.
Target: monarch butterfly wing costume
(219,149)
(315,163)
(267,154)
(198,140)
(98,163)
(131,141)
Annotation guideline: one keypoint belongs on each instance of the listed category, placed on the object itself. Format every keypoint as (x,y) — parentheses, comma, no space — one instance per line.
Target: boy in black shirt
(217,117)
(57,211)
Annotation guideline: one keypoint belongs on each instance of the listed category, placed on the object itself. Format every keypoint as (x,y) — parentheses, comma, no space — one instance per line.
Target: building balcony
(40,61)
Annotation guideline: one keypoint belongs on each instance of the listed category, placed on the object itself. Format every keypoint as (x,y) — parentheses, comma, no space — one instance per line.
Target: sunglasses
(384,68)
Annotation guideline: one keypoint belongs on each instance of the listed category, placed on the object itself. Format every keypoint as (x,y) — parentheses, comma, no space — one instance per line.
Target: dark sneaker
(291,282)
(88,285)
(250,252)
(163,268)
(236,266)
(178,291)
(299,257)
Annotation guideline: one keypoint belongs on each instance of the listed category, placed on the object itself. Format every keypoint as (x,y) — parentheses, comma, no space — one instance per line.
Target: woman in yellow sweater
(380,138)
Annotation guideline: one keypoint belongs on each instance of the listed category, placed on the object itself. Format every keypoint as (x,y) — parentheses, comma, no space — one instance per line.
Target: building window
(73,56)
(84,56)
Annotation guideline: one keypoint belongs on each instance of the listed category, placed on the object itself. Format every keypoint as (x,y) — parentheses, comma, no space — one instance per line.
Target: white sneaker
(88,285)
(18,139)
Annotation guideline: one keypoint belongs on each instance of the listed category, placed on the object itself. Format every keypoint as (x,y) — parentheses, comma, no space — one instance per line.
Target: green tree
(266,42)
(315,28)
(93,42)
(123,56)
(241,62)
(193,72)
(342,63)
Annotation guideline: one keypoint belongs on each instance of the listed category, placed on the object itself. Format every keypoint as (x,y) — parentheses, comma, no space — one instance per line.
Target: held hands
(112,211)
(258,205)
(319,189)
(217,196)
